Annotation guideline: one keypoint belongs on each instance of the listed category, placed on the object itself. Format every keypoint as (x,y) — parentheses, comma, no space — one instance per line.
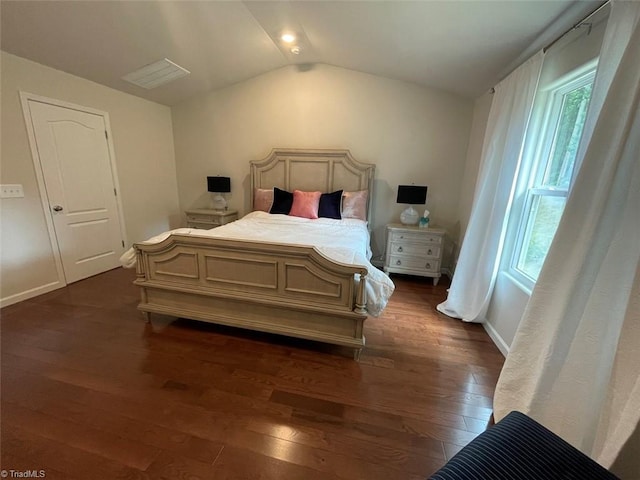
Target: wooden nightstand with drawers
(207,219)
(414,251)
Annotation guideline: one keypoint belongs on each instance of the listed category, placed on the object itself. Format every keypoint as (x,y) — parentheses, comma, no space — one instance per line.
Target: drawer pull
(398,262)
(401,236)
(428,266)
(399,249)
(429,252)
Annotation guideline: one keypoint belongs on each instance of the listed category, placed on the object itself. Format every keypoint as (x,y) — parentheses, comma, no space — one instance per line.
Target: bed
(290,288)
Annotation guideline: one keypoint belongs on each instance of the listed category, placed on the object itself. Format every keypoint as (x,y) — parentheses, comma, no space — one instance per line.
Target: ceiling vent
(156,74)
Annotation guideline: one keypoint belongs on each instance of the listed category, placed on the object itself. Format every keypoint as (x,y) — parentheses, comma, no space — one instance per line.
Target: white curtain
(474,278)
(574,364)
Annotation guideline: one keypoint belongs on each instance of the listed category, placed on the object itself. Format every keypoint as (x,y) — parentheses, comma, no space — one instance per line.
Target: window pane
(544,217)
(567,137)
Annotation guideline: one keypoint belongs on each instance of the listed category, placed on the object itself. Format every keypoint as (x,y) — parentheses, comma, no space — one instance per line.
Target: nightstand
(414,251)
(207,218)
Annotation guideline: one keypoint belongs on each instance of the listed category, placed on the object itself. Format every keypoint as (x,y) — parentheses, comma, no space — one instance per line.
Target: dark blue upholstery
(519,448)
(282,201)
(330,205)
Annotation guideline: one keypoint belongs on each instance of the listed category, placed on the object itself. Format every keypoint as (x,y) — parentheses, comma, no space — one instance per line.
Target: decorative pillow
(330,205)
(305,204)
(354,204)
(262,199)
(282,201)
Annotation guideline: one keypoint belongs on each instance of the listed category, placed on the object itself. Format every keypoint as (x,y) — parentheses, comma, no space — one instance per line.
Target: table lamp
(219,185)
(411,195)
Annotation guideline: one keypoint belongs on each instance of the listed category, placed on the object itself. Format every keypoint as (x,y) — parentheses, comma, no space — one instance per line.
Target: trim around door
(25,98)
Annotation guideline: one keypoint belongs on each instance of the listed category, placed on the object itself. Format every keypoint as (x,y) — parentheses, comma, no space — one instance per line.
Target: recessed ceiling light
(288,37)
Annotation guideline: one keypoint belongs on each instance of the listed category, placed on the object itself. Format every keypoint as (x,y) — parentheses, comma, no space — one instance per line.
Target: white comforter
(345,241)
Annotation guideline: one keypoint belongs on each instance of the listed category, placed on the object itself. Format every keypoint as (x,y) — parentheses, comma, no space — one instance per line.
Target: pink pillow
(305,204)
(262,199)
(354,204)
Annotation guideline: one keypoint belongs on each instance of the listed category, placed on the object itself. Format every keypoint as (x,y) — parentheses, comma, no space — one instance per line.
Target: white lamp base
(410,216)
(219,203)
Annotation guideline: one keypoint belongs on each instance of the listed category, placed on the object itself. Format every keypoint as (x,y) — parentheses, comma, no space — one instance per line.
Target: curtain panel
(574,364)
(475,275)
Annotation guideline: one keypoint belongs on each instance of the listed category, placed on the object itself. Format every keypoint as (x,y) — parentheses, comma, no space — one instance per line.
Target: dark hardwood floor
(90,391)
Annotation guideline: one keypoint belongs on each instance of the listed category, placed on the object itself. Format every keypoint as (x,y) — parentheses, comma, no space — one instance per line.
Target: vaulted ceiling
(462,47)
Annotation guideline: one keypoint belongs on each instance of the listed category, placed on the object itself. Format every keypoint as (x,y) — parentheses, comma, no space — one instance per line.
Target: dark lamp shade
(219,184)
(412,195)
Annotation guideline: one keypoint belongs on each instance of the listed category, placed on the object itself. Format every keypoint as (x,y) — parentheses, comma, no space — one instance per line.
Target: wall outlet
(11,191)
(377,261)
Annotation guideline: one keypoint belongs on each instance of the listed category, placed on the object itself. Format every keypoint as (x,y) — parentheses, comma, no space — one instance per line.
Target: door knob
(57,208)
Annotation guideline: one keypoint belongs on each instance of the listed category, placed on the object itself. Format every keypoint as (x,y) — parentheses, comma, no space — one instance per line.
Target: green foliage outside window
(545,217)
(547,197)
(567,138)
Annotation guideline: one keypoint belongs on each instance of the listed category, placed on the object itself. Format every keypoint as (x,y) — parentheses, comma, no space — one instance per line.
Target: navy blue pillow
(330,205)
(282,201)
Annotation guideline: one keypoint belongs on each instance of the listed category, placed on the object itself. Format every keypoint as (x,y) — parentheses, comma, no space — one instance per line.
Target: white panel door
(76,166)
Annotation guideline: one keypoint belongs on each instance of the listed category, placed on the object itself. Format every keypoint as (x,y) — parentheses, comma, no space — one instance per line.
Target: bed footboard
(285,289)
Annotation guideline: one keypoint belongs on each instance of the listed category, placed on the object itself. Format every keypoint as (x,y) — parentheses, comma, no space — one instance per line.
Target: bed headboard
(311,170)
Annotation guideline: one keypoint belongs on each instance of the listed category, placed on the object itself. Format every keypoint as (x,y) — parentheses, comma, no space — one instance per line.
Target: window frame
(536,161)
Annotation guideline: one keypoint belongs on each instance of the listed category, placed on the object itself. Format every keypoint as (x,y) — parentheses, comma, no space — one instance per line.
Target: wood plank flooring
(89,390)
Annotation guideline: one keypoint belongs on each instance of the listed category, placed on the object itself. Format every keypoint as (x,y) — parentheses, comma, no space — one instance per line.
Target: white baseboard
(27,294)
(497,339)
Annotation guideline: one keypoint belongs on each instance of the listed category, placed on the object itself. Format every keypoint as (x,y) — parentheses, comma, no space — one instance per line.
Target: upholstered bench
(519,448)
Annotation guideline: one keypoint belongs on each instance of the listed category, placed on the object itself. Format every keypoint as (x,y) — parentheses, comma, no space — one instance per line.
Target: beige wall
(413,135)
(143,142)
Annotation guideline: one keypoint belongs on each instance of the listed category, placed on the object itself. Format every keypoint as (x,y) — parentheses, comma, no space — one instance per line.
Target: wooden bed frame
(285,289)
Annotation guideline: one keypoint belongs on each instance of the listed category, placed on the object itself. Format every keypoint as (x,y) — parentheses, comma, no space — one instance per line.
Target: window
(551,170)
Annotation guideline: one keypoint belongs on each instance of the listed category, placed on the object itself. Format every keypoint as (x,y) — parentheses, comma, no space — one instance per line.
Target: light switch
(11,191)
